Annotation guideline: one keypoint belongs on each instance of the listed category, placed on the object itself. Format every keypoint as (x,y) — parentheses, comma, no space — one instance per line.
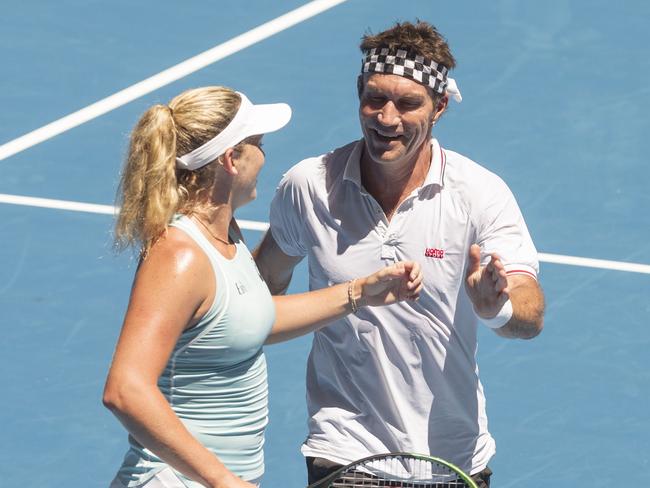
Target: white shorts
(164,478)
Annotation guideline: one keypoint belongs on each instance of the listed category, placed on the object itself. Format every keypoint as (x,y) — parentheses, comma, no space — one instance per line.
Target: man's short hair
(420,38)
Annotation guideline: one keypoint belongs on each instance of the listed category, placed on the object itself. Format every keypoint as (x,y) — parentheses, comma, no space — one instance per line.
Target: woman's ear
(229,160)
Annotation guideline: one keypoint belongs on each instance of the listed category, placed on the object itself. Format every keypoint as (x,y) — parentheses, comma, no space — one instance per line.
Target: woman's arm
(302,313)
(171,291)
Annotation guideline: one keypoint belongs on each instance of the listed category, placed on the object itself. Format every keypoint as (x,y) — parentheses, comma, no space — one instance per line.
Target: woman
(188,378)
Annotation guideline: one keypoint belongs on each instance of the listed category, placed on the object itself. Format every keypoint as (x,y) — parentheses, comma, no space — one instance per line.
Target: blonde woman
(188,378)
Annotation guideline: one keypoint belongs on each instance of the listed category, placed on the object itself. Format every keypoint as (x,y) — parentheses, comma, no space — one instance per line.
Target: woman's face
(250,159)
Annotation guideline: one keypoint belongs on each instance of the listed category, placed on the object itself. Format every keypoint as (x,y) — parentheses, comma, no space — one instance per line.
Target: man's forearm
(274,265)
(277,281)
(528,312)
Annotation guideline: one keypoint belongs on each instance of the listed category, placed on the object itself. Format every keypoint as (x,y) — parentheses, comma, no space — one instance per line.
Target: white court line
(58,204)
(263,226)
(167,76)
(96,208)
(594,263)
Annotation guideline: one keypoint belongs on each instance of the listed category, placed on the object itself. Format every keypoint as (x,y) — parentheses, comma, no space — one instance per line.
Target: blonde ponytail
(148,187)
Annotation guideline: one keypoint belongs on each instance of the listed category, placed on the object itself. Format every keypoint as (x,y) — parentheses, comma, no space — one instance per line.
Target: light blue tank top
(216,378)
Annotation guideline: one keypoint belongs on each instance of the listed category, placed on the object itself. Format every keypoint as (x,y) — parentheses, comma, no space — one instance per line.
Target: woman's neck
(215,220)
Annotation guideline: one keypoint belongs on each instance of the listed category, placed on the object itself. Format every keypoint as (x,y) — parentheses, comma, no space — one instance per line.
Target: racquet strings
(399,472)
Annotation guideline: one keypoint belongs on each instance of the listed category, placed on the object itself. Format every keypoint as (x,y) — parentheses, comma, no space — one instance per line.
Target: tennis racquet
(398,469)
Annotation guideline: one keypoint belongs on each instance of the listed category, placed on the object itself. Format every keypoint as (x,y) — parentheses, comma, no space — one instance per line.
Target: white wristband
(501,318)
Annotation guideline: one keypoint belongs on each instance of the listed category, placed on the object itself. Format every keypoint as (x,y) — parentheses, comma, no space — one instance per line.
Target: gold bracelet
(351,300)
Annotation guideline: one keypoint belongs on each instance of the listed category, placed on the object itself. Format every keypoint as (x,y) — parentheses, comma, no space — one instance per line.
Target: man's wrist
(502,317)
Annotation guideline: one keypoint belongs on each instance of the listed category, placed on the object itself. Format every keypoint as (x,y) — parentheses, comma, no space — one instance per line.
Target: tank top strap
(216,260)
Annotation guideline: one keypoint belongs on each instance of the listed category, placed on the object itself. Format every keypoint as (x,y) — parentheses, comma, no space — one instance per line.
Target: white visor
(250,120)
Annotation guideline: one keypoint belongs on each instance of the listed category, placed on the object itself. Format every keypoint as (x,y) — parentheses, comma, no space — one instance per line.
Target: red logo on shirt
(432,252)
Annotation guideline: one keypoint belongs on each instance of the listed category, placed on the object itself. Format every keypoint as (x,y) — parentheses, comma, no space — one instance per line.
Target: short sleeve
(502,230)
(286,215)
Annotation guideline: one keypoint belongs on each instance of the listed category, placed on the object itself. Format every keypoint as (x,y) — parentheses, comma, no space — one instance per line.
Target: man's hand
(487,286)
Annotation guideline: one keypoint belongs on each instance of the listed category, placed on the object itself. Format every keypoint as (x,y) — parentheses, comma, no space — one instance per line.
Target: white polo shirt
(401,377)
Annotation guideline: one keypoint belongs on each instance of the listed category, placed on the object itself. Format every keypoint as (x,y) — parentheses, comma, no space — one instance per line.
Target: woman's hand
(400,281)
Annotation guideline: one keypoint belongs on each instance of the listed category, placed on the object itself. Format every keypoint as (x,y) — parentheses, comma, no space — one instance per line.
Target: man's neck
(391,183)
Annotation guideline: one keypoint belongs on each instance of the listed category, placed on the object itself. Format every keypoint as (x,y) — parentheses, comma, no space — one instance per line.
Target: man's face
(396,117)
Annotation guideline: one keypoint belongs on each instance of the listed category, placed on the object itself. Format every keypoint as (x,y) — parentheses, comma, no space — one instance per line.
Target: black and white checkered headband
(400,62)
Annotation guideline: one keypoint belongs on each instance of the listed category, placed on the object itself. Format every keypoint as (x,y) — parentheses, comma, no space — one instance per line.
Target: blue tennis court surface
(556,102)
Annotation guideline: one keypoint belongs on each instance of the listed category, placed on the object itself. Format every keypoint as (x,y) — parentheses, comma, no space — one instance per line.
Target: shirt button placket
(388,245)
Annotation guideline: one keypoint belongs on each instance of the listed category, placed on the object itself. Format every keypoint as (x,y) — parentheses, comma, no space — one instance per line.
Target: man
(404,377)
